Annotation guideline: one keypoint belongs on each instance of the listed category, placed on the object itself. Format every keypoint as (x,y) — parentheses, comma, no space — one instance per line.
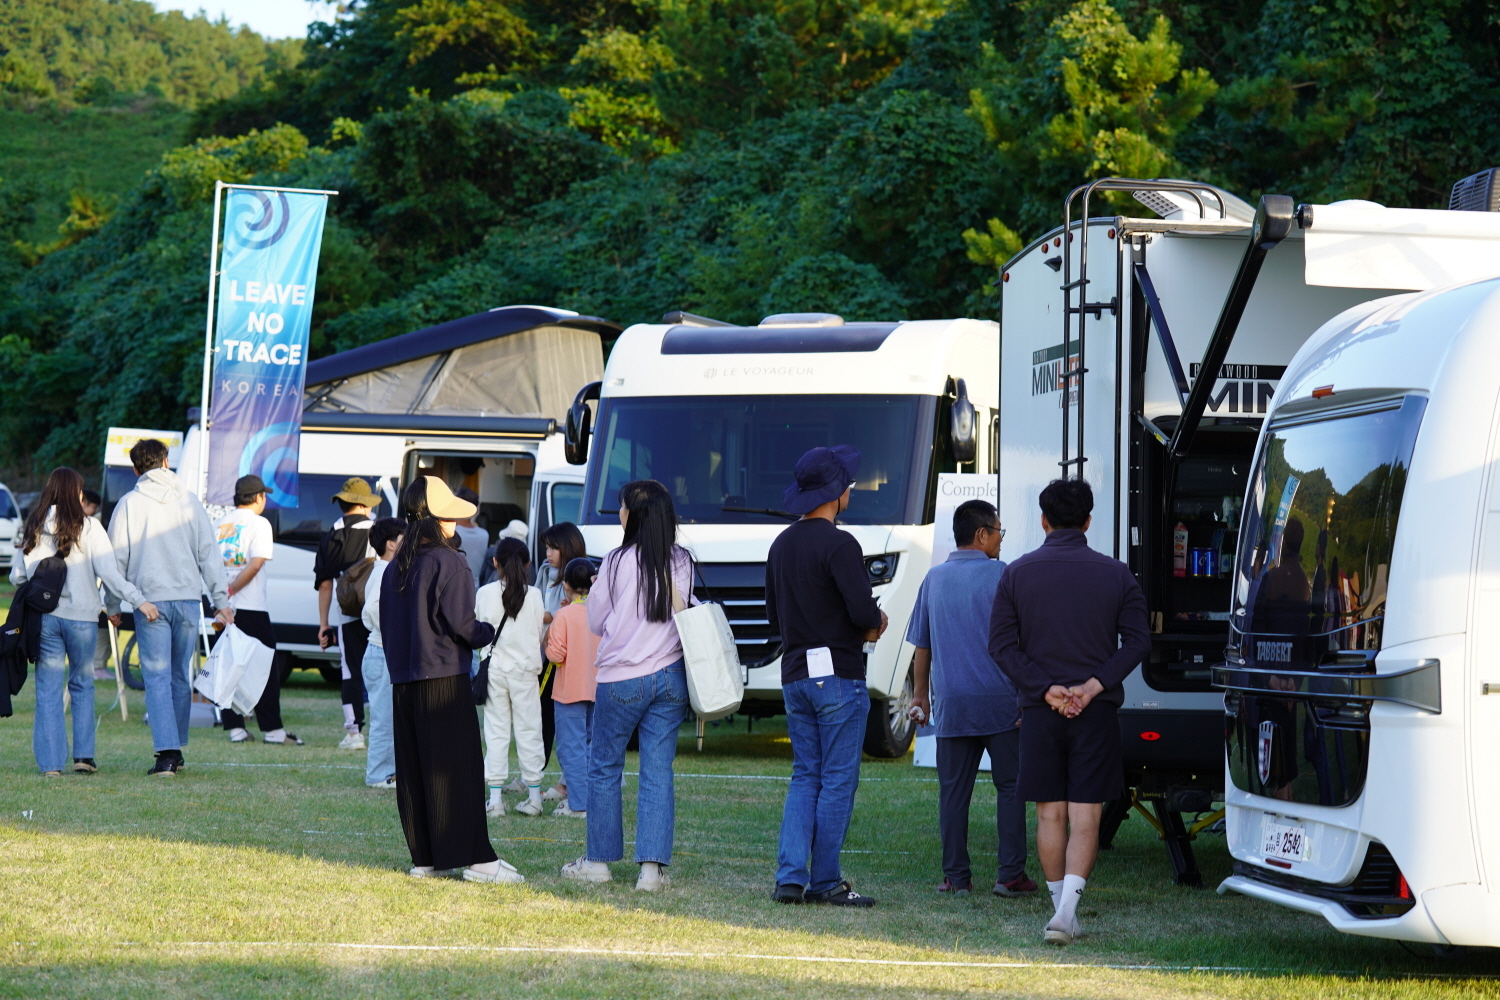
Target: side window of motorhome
(567,502)
(304,524)
(1326,498)
(739,451)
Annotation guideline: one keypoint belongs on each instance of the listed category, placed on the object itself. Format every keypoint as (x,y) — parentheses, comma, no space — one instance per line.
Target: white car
(10,526)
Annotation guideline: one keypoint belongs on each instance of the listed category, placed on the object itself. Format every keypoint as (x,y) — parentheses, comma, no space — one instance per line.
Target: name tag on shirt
(819,662)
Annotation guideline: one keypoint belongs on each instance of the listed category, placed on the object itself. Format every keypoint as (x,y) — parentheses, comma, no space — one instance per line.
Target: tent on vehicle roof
(513,361)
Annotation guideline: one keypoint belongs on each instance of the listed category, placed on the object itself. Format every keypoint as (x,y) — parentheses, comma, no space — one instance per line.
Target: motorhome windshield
(738,451)
(1315,552)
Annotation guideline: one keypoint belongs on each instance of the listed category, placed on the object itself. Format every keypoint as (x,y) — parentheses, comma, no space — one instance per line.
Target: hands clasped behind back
(1070,701)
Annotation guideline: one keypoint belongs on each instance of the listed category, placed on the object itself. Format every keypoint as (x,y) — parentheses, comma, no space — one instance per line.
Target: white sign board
(954,489)
(121,439)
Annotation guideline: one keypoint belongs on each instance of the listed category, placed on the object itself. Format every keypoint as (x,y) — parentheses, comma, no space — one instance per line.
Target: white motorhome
(10,526)
(1361,708)
(1106,326)
(476,401)
(721,413)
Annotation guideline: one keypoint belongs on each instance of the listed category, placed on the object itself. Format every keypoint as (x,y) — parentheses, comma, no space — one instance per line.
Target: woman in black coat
(427,623)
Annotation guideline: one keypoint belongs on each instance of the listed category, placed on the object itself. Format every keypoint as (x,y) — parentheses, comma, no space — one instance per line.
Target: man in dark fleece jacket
(1068,626)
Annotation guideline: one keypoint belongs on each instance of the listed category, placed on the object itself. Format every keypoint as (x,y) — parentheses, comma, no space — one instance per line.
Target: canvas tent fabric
(524,361)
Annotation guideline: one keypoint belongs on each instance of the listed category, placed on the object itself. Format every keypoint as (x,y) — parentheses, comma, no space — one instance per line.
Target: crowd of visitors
(1022,662)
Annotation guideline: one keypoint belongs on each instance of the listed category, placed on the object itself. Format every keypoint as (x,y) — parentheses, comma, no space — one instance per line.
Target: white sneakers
(564,810)
(239,736)
(352,741)
(504,873)
(554,794)
(529,808)
(584,870)
(653,878)
(387,783)
(495,808)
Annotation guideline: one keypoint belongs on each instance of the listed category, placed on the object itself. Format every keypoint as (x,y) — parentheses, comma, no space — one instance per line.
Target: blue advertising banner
(266,279)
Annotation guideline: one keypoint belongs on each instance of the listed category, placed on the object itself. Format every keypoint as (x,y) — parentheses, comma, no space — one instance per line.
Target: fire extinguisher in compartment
(1179,550)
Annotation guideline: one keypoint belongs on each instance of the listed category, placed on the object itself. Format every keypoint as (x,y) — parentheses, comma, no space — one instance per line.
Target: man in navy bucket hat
(818,598)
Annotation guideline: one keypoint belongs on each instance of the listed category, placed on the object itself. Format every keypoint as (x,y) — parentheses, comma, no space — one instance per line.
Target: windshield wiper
(761,510)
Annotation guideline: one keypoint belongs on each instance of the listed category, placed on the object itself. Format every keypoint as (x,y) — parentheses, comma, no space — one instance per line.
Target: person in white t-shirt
(245,544)
(380,758)
(473,540)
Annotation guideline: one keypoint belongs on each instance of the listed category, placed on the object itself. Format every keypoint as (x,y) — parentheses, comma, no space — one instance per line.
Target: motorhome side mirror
(963,440)
(576,427)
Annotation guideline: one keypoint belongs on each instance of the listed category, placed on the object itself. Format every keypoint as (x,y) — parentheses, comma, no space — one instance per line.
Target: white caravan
(720,414)
(476,401)
(1105,329)
(10,526)
(1361,713)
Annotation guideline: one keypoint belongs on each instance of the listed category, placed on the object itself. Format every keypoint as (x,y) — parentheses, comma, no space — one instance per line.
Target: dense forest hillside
(876,158)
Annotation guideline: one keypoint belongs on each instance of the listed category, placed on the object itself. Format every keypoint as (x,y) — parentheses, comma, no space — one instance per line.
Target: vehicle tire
(333,674)
(888,730)
(133,678)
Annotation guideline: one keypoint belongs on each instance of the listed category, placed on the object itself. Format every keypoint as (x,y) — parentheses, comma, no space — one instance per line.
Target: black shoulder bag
(481,681)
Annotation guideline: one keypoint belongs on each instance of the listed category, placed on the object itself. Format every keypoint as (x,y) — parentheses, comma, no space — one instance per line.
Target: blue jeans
(574,722)
(380,757)
(825,718)
(166,648)
(657,703)
(67,657)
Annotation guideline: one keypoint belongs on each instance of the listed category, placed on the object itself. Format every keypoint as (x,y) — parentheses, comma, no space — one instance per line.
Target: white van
(720,414)
(475,401)
(1361,715)
(10,526)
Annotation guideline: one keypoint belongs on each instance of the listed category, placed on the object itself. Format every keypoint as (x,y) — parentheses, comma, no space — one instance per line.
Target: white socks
(275,736)
(1055,888)
(495,795)
(1072,890)
(534,795)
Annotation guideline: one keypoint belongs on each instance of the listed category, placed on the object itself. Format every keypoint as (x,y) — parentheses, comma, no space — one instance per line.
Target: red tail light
(1402,889)
(1148,736)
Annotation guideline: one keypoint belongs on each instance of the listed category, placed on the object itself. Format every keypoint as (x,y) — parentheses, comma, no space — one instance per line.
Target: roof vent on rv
(1477,193)
(1176,205)
(803,319)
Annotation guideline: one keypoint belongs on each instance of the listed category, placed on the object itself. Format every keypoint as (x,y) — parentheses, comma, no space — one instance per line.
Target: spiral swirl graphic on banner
(263,456)
(250,233)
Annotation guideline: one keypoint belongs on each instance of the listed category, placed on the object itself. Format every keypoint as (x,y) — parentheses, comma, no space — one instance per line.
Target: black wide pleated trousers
(440,773)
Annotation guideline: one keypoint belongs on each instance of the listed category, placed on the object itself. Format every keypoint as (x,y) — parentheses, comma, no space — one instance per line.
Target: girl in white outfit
(515,610)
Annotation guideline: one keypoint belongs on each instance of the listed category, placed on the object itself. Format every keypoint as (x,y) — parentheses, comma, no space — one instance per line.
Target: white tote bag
(715,682)
(236,672)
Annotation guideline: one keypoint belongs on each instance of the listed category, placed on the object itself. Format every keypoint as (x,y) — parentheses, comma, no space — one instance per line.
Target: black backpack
(20,637)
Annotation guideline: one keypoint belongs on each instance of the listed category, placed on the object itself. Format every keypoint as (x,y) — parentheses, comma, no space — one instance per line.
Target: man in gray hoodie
(166,547)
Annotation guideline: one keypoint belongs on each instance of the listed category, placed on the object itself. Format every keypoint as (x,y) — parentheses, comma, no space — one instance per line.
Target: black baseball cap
(248,486)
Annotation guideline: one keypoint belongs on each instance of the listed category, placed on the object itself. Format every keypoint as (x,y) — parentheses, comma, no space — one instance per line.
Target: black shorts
(1071,760)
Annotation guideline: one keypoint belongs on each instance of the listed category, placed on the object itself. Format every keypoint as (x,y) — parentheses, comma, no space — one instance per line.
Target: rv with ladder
(1145,354)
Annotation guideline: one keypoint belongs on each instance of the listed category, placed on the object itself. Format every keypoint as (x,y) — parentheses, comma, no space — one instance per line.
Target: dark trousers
(549,717)
(440,773)
(957,765)
(257,624)
(353,638)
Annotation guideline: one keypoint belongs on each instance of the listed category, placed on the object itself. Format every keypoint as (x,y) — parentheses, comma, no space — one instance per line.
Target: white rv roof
(897,358)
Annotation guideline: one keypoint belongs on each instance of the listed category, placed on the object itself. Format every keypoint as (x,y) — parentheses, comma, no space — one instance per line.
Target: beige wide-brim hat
(443,505)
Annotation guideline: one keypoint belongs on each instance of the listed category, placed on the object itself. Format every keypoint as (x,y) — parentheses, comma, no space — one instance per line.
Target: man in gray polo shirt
(972,704)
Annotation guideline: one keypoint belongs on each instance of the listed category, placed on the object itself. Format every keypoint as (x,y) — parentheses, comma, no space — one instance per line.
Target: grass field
(103,151)
(267,871)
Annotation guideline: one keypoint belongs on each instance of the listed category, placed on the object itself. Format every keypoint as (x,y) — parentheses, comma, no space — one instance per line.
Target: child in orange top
(573,648)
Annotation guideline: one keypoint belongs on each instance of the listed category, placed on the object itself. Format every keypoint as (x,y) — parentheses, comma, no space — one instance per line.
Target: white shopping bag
(236,673)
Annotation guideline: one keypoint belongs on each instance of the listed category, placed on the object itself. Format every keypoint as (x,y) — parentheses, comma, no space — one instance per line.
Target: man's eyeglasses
(996,529)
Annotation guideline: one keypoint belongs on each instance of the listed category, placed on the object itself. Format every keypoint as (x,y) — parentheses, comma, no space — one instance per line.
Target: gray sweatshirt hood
(161,485)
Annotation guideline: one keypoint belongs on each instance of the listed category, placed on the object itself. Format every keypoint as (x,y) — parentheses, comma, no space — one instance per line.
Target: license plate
(1286,841)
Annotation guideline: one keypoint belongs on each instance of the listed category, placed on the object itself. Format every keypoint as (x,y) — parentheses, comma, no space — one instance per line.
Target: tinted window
(8,505)
(739,451)
(315,512)
(1315,557)
(567,503)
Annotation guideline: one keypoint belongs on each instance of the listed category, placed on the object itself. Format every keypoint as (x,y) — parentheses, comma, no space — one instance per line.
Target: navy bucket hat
(822,474)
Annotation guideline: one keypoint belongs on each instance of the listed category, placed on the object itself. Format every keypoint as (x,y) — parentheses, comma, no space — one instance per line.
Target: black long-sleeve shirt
(428,628)
(1064,613)
(818,594)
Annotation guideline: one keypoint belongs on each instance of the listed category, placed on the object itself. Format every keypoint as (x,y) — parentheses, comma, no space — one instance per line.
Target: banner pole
(208,346)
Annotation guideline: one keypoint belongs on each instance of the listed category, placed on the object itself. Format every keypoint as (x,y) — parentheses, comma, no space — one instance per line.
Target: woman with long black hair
(430,633)
(58,527)
(642,684)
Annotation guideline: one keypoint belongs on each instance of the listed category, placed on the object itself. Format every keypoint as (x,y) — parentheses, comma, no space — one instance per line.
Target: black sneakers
(788,894)
(842,894)
(168,763)
(84,765)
